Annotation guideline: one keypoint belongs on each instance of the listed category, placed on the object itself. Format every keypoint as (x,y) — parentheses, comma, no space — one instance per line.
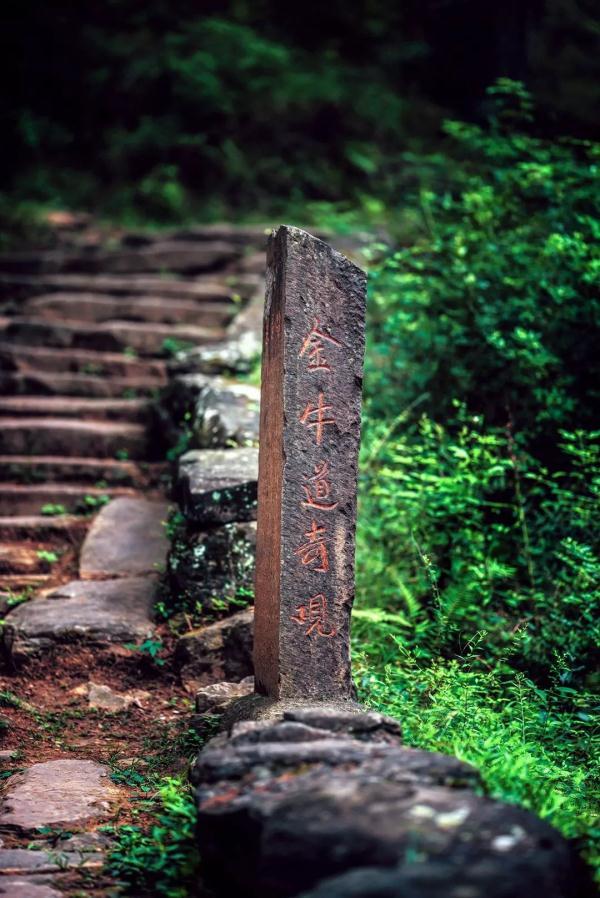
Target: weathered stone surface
(236,355)
(22,887)
(218,696)
(31,360)
(126,539)
(313,349)
(15,861)
(30,498)
(304,805)
(106,699)
(112,336)
(220,651)
(146,285)
(213,564)
(216,486)
(102,307)
(68,437)
(95,611)
(42,468)
(71,407)
(68,792)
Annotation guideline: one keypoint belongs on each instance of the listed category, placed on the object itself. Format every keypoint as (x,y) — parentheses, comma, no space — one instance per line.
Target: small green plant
(47,556)
(90,503)
(171,346)
(53,509)
(164,858)
(122,454)
(151,648)
(130,352)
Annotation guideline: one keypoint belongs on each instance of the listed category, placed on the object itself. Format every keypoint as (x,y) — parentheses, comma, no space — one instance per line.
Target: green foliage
(150,648)
(162,860)
(53,509)
(478,566)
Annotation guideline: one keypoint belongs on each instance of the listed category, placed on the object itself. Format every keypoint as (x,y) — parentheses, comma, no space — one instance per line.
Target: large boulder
(328,804)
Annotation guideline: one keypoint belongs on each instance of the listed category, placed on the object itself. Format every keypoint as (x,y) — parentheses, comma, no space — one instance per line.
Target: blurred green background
(172,109)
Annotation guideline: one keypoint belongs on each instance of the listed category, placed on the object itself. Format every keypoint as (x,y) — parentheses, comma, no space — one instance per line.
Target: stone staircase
(86,328)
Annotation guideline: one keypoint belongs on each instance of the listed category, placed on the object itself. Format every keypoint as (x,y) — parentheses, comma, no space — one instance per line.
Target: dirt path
(91,707)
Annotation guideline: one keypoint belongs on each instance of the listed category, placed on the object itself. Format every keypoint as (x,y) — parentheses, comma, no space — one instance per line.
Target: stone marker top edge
(296,233)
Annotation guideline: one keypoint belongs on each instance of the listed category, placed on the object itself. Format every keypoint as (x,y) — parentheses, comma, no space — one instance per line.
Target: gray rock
(22,887)
(106,699)
(207,567)
(126,539)
(332,805)
(217,486)
(217,696)
(221,651)
(95,611)
(57,792)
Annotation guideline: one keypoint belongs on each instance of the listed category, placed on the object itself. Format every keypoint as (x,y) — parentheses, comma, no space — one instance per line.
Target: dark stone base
(324,801)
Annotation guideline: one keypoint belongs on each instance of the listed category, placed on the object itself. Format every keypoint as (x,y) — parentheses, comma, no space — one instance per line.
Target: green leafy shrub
(478,565)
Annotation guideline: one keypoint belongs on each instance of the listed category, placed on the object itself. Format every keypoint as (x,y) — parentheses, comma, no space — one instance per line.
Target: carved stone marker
(313,347)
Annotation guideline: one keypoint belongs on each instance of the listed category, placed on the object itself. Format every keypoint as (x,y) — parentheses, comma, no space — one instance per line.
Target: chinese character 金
(317,489)
(313,616)
(319,420)
(314,347)
(314,551)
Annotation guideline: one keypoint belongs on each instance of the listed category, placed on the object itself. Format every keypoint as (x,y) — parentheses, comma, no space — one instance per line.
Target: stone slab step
(24,558)
(102,308)
(66,792)
(97,611)
(112,336)
(127,538)
(48,468)
(25,359)
(177,256)
(15,583)
(71,407)
(70,498)
(64,436)
(216,486)
(57,529)
(200,289)
(50,383)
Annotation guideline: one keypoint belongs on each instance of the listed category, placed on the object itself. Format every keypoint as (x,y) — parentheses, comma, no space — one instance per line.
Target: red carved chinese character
(317,489)
(320,421)
(313,616)
(313,345)
(314,551)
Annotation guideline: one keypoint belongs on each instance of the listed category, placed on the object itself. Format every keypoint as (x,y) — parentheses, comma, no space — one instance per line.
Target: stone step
(56,530)
(67,384)
(112,336)
(47,469)
(64,436)
(25,558)
(100,308)
(201,289)
(25,359)
(72,407)
(185,257)
(66,498)
(96,611)
(14,583)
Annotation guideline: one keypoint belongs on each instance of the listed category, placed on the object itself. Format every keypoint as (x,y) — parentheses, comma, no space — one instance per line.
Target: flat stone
(220,695)
(206,567)
(66,792)
(101,612)
(68,437)
(58,529)
(221,651)
(15,861)
(101,307)
(27,359)
(30,498)
(112,336)
(216,486)
(106,699)
(147,285)
(21,887)
(127,538)
(72,407)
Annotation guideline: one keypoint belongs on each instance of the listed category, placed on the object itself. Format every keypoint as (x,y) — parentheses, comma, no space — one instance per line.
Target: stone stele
(313,347)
